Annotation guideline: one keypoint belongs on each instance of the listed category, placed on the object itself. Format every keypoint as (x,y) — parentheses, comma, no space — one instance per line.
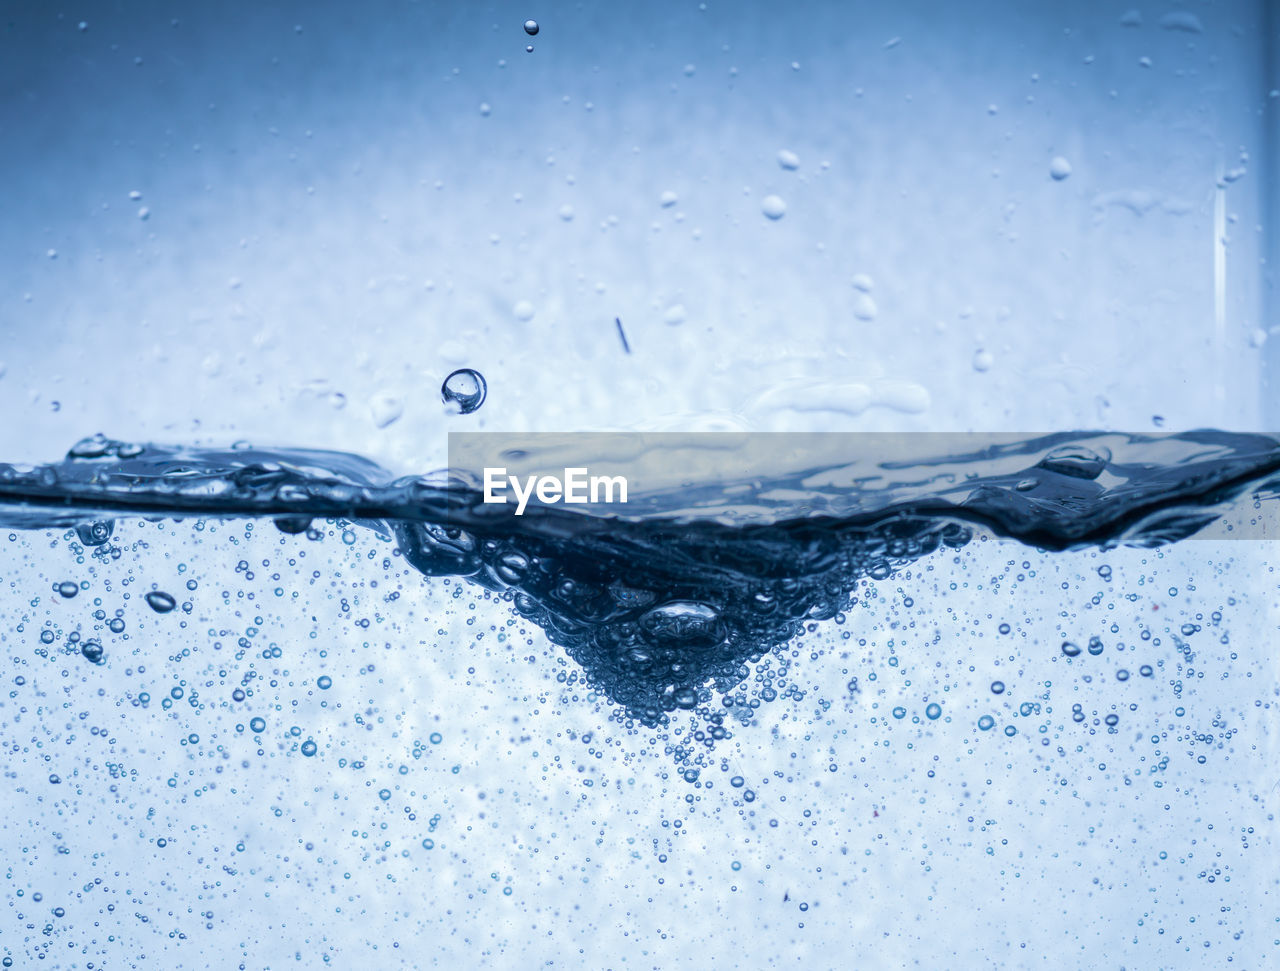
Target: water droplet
(1059,168)
(864,306)
(531,27)
(385,408)
(773,207)
(566,213)
(466,388)
(160,602)
(788,160)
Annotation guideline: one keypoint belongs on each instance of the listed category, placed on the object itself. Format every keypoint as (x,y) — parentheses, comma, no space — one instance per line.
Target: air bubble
(531,27)
(160,602)
(1059,168)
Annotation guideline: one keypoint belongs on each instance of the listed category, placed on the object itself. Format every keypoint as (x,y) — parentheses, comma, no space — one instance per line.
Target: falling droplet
(1059,168)
(531,27)
(773,207)
(160,602)
(466,388)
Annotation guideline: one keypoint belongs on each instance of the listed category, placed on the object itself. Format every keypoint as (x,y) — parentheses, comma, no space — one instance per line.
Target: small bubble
(982,360)
(258,725)
(788,160)
(531,27)
(324,682)
(997,687)
(1070,649)
(773,207)
(1095,646)
(986,723)
(934,711)
(466,388)
(68,589)
(1059,168)
(522,310)
(308,748)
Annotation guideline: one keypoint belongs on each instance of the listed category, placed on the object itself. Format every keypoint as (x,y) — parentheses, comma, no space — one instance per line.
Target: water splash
(667,606)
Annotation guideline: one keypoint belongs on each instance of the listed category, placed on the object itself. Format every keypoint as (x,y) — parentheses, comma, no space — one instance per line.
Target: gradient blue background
(337,204)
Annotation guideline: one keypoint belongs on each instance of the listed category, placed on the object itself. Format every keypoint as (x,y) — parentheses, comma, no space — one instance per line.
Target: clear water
(795,715)
(990,700)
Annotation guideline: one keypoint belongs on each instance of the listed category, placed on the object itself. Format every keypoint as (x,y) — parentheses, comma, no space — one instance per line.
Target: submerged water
(983,668)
